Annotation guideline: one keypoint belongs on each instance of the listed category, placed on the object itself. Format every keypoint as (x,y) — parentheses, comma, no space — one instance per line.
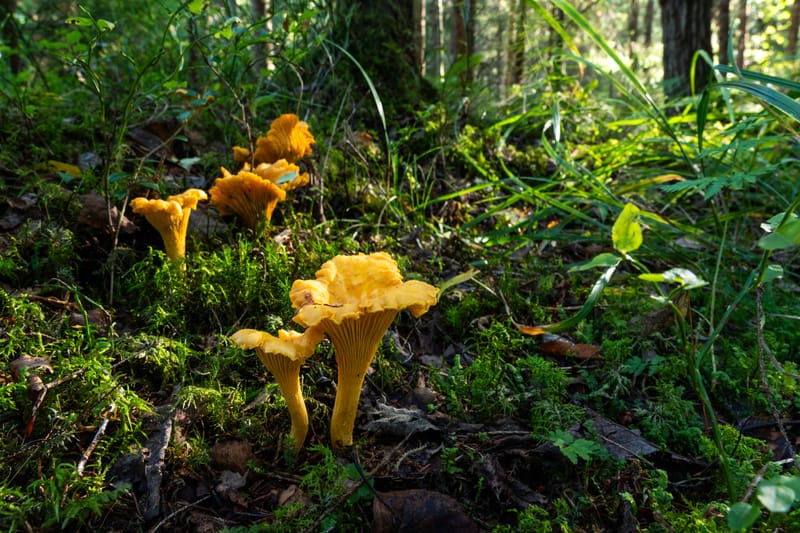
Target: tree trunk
(633,21)
(420,35)
(516,45)
(686,28)
(648,23)
(462,43)
(379,34)
(437,14)
(724,29)
(794,24)
(740,46)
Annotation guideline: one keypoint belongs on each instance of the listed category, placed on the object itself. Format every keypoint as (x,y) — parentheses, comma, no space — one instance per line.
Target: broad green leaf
(105,25)
(627,232)
(742,515)
(785,236)
(79,21)
(775,496)
(603,260)
(685,278)
(772,272)
(196,6)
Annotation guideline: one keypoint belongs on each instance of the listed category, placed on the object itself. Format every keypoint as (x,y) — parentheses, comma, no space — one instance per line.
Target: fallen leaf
(397,421)
(559,346)
(31,363)
(233,455)
(413,510)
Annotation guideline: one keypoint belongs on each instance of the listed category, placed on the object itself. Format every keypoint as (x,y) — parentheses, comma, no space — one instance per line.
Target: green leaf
(775,496)
(742,515)
(772,272)
(79,21)
(627,232)
(684,277)
(603,260)
(196,6)
(768,95)
(105,25)
(785,236)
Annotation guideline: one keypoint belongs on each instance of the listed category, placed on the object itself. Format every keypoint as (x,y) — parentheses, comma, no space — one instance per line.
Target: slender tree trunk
(740,45)
(437,13)
(794,24)
(261,10)
(633,21)
(724,29)
(516,48)
(420,35)
(463,37)
(686,28)
(649,13)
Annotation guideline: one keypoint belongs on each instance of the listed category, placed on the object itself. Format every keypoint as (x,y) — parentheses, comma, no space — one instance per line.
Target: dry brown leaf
(559,346)
(413,510)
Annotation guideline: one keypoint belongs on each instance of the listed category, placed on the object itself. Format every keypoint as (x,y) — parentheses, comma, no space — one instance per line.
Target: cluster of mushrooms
(251,194)
(353,299)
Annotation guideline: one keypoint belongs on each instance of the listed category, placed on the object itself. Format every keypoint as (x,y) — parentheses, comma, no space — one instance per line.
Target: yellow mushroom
(171,218)
(288,138)
(251,194)
(283,356)
(354,299)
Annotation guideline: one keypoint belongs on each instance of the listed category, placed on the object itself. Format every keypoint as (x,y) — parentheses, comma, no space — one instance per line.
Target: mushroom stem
(355,342)
(297,409)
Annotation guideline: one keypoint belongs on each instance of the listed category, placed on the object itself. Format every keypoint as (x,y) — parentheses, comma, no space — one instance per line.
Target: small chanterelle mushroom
(283,356)
(171,218)
(288,138)
(253,193)
(354,299)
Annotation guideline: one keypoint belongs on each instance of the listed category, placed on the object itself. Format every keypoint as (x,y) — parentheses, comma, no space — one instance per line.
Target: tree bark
(794,24)
(633,21)
(379,34)
(686,28)
(648,22)
(724,29)
(740,46)
(462,44)
(420,34)
(516,48)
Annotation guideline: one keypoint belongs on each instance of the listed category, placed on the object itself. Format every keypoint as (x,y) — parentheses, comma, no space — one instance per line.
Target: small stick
(97,435)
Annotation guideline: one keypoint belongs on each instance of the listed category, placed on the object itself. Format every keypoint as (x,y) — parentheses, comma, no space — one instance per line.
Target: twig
(177,512)
(97,435)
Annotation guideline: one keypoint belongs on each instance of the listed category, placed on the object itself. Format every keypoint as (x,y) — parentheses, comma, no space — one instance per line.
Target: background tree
(723,12)
(794,23)
(648,22)
(686,28)
(740,45)
(516,43)
(380,36)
